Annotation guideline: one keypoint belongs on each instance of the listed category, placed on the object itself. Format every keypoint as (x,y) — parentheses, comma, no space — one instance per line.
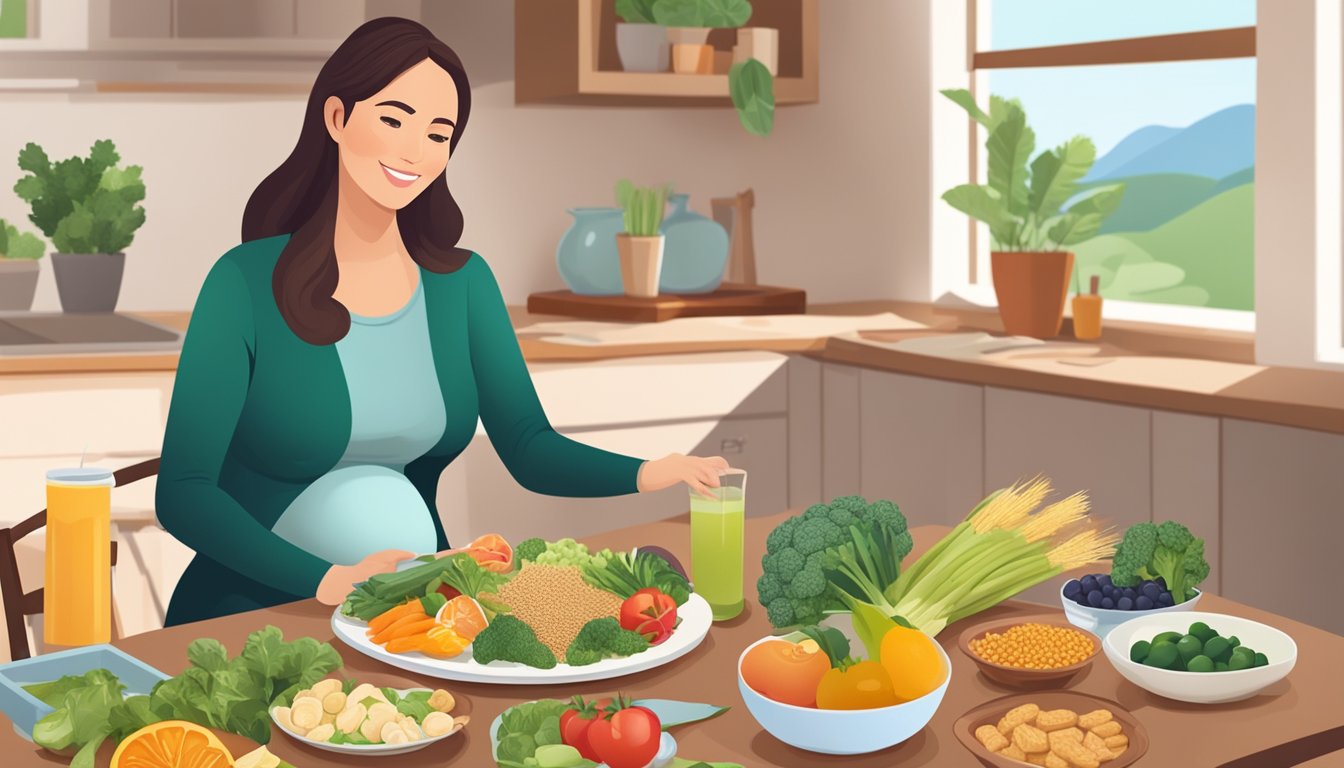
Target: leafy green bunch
(18,245)
(688,13)
(1022,205)
(215,691)
(644,207)
(83,204)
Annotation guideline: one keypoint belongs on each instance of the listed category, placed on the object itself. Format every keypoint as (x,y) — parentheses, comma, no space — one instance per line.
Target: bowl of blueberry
(1095,604)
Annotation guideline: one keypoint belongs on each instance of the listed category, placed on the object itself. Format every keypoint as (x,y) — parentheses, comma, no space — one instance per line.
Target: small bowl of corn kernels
(1029,652)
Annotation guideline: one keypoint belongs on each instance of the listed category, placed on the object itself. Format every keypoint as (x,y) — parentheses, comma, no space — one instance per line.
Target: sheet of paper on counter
(710,329)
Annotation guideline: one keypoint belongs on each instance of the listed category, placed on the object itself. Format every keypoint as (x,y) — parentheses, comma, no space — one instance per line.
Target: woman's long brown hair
(299,197)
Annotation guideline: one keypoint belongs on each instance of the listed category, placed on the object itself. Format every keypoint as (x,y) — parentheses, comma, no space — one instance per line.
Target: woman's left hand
(699,472)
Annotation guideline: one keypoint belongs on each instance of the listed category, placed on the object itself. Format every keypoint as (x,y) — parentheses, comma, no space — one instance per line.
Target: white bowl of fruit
(799,691)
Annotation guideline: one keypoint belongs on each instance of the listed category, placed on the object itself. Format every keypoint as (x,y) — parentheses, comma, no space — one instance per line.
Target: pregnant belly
(352,512)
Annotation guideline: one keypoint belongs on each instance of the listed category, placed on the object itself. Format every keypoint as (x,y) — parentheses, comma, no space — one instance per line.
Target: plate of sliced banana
(363,719)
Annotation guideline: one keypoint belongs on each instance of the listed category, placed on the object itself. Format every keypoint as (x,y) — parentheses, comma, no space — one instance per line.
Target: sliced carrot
(407,644)
(395,628)
(384,620)
(407,630)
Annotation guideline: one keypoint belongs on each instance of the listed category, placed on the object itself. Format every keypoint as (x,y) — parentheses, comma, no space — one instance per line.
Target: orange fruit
(172,744)
(913,661)
(786,672)
(463,616)
(864,685)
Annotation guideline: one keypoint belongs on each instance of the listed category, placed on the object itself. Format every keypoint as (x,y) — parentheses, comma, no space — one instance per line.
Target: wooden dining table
(1299,718)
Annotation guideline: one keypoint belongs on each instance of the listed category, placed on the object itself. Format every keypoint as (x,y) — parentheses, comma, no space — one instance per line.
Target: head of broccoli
(1167,550)
(847,547)
(602,639)
(528,549)
(508,638)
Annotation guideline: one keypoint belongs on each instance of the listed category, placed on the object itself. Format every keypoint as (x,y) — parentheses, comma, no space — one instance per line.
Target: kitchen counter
(1294,720)
(1179,369)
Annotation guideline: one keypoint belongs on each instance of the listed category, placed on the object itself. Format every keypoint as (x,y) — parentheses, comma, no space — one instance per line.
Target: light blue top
(366,503)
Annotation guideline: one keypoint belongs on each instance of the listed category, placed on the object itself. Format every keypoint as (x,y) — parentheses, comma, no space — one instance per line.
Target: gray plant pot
(18,283)
(88,282)
(643,47)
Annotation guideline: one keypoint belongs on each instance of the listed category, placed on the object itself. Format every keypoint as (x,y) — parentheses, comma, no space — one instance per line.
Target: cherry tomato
(650,613)
(574,728)
(786,672)
(865,685)
(627,739)
(448,592)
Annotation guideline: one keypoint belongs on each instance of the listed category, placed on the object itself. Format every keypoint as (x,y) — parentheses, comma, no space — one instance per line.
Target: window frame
(968,284)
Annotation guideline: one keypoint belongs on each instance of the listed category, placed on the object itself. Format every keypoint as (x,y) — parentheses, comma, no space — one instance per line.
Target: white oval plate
(368,749)
(696,618)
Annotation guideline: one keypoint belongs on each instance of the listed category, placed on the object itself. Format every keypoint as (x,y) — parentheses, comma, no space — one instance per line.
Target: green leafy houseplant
(750,83)
(636,11)
(83,204)
(1023,205)
(643,206)
(19,245)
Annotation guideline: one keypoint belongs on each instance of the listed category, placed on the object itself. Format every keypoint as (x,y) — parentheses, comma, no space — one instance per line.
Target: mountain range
(1216,146)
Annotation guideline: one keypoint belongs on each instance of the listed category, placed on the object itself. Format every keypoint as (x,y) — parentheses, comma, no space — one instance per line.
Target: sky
(1107,103)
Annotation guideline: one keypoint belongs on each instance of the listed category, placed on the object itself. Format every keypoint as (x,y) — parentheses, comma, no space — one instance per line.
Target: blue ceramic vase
(695,252)
(586,256)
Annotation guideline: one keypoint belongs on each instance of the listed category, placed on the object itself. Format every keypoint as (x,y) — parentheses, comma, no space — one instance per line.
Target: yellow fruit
(913,661)
(170,744)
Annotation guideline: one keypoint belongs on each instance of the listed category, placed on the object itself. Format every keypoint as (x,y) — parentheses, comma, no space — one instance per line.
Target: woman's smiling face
(396,142)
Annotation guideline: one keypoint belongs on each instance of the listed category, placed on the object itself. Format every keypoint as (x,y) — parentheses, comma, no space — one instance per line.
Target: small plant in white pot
(641,42)
(19,267)
(641,245)
(89,208)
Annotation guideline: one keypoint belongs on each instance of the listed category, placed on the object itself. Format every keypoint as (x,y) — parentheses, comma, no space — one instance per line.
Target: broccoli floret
(603,638)
(508,638)
(847,547)
(768,588)
(1168,551)
(528,549)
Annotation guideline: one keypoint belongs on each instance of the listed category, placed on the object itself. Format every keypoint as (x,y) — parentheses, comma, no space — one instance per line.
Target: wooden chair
(19,604)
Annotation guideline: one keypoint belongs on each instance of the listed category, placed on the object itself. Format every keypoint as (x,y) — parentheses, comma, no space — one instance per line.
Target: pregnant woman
(338,359)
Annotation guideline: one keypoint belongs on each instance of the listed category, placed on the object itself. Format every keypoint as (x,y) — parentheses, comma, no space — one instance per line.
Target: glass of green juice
(716,543)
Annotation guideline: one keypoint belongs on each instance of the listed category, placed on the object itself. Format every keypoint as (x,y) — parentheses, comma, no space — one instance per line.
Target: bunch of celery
(1003,547)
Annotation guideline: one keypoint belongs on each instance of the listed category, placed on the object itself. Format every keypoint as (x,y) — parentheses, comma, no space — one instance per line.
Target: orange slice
(443,642)
(463,616)
(172,744)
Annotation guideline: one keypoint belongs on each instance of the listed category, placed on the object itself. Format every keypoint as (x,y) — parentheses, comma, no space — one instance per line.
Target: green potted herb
(641,42)
(88,207)
(1029,228)
(688,25)
(19,267)
(641,245)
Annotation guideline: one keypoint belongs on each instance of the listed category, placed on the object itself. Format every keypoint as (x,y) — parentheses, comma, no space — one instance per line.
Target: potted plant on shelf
(641,42)
(88,207)
(688,25)
(1029,227)
(19,266)
(641,245)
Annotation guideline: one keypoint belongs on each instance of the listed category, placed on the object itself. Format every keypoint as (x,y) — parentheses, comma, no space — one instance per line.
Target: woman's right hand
(341,579)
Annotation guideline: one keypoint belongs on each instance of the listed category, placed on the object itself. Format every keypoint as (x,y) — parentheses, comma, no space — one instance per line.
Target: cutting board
(729,299)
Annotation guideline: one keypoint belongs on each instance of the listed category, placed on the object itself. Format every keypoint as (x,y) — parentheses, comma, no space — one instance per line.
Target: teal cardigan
(258,414)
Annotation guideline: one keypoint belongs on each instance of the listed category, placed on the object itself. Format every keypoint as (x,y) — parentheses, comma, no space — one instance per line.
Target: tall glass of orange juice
(77,598)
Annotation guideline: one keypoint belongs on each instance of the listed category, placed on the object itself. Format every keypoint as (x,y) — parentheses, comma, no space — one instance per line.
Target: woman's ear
(333,114)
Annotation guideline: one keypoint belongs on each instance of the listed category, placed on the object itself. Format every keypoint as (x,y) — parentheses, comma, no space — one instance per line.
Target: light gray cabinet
(922,445)
(1186,452)
(840,418)
(1283,520)
(805,430)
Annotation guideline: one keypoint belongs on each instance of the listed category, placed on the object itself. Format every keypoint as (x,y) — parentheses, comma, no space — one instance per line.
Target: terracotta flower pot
(1031,287)
(691,59)
(641,264)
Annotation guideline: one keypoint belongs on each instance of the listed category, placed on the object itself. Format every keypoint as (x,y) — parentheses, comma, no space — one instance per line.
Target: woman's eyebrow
(397,104)
(443,120)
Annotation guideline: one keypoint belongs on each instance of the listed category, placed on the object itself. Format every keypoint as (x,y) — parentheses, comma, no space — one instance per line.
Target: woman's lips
(399,178)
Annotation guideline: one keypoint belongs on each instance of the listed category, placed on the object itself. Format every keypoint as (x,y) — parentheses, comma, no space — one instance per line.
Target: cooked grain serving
(556,602)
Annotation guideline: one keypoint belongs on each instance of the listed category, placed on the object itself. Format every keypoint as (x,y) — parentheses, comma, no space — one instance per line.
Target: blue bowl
(24,709)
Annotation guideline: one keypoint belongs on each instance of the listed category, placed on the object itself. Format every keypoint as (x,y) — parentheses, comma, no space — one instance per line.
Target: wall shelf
(565,53)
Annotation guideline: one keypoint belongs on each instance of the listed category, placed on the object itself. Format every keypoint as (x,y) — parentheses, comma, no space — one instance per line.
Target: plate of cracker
(1057,729)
